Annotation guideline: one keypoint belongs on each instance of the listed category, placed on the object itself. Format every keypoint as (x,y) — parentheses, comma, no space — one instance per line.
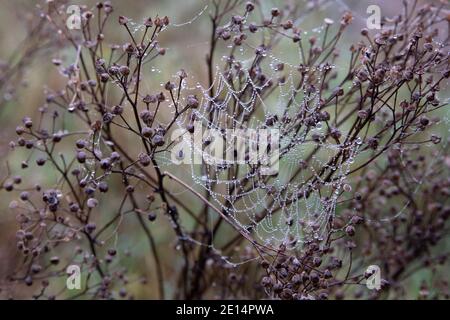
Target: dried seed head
(104,77)
(335,133)
(40,161)
(115,156)
(182,74)
(124,70)
(28,281)
(226,35)
(237,19)
(169,86)
(54,260)
(117,110)
(363,114)
(8,186)
(27,122)
(192,101)
(81,156)
(20,130)
(147,132)
(24,196)
(151,216)
(161,51)
(144,159)
(146,116)
(158,140)
(350,230)
(123,20)
(103,187)
(356,220)
(148,22)
(161,97)
(275,12)
(90,227)
(92,203)
(105,164)
(149,99)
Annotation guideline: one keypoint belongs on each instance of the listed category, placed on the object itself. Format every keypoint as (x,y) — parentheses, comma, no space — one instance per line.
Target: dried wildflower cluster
(363,175)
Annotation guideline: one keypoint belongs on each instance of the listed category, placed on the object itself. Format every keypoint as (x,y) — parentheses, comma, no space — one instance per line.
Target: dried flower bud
(287,25)
(424,121)
(161,97)
(123,20)
(81,156)
(115,156)
(182,74)
(275,12)
(92,203)
(105,164)
(151,216)
(40,161)
(148,22)
(192,101)
(363,114)
(149,99)
(362,75)
(113,70)
(147,132)
(356,220)
(144,159)
(252,27)
(108,117)
(54,260)
(237,19)
(103,187)
(169,86)
(225,35)
(90,227)
(146,116)
(27,122)
(20,130)
(350,230)
(8,186)
(335,133)
(161,51)
(249,6)
(435,139)
(158,140)
(124,70)
(117,110)
(372,143)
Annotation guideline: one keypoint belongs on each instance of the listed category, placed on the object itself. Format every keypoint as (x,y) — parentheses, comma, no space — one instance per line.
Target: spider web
(295,205)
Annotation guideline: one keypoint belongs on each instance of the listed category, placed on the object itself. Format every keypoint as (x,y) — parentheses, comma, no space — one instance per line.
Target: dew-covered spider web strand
(294,204)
